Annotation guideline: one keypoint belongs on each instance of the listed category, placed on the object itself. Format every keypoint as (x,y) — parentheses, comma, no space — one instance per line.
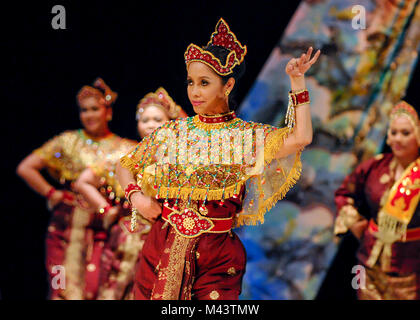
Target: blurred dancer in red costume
(378,203)
(197,178)
(75,235)
(123,248)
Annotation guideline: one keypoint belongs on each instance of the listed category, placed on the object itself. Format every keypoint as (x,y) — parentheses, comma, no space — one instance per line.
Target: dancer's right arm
(353,212)
(29,170)
(147,206)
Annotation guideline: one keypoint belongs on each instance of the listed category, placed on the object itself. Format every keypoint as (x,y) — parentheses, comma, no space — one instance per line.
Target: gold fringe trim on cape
(291,180)
(129,164)
(271,148)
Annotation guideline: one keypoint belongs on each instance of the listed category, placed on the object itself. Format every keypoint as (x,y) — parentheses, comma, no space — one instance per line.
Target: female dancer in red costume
(197,178)
(123,248)
(378,203)
(75,236)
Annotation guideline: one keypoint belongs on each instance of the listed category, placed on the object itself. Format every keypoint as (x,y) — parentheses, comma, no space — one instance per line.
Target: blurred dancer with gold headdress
(75,235)
(124,246)
(378,203)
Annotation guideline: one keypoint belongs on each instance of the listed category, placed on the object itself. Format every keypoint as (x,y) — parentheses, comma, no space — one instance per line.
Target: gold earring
(227,93)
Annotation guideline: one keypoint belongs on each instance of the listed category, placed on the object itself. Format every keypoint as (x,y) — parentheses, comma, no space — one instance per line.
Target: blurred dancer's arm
(29,170)
(87,184)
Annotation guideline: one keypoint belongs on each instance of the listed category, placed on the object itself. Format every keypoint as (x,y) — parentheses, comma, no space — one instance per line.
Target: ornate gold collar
(218,121)
(217,118)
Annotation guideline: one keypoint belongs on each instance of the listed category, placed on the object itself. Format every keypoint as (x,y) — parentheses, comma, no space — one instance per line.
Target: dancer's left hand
(297,67)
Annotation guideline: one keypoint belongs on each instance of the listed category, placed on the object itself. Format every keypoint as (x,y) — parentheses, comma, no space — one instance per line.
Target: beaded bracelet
(300,97)
(133,219)
(296,98)
(50,193)
(131,188)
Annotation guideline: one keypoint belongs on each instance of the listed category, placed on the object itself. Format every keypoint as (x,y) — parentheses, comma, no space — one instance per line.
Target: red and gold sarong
(208,266)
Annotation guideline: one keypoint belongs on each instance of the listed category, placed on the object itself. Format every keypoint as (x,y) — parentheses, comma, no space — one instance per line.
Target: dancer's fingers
(315,57)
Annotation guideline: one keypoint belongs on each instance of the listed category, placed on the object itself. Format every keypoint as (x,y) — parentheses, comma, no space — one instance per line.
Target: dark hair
(222,53)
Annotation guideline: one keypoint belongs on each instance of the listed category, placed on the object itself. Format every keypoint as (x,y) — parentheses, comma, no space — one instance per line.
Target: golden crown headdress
(222,37)
(405,108)
(162,99)
(99,90)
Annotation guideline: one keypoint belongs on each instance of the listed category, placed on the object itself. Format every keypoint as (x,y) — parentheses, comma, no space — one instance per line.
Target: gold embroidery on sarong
(231,271)
(175,269)
(74,262)
(214,295)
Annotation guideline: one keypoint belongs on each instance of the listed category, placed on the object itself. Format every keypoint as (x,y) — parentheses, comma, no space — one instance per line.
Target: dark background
(135,47)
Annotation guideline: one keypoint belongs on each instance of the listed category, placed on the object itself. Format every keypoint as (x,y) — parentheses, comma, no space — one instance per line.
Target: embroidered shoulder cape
(191,160)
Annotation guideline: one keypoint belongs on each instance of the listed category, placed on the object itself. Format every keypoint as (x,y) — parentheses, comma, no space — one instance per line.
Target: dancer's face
(206,90)
(402,138)
(94,115)
(151,118)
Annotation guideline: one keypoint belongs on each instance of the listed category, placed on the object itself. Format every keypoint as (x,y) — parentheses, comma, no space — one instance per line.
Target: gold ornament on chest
(189,222)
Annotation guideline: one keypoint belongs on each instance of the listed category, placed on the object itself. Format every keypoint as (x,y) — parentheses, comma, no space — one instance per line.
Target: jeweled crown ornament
(160,98)
(100,90)
(404,108)
(222,37)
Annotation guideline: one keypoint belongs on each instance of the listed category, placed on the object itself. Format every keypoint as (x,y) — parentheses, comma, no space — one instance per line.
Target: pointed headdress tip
(99,83)
(221,37)
(162,94)
(224,37)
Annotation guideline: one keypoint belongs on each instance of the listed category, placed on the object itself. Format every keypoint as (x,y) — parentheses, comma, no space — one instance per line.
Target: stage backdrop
(360,75)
